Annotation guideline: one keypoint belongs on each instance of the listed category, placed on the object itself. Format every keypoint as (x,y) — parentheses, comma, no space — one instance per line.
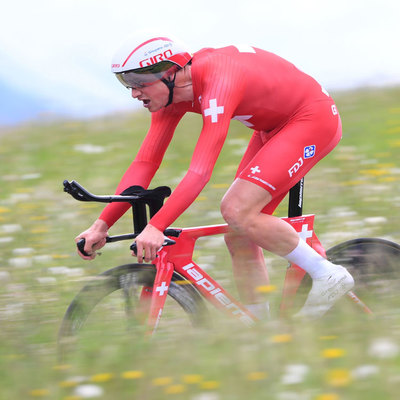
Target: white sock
(308,259)
(260,310)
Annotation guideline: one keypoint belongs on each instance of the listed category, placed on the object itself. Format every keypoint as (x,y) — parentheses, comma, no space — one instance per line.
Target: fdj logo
(309,151)
(294,168)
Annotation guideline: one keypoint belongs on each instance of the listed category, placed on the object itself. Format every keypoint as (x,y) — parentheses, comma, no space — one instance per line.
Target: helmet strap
(170,83)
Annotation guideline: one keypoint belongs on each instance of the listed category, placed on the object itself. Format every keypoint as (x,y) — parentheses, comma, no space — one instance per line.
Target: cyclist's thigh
(294,150)
(254,146)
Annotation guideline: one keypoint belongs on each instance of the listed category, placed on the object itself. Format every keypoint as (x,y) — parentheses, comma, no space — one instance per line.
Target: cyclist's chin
(154,106)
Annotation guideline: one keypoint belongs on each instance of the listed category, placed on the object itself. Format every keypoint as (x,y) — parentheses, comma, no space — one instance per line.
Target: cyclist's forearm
(182,197)
(100,226)
(139,173)
(113,212)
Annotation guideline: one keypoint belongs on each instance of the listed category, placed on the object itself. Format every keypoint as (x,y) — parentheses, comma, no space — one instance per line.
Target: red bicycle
(374,264)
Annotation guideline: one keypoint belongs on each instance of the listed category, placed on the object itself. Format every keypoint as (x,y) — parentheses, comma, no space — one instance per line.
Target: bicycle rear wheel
(129,279)
(375,266)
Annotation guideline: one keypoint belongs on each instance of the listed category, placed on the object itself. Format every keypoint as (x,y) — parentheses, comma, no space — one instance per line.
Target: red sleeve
(220,85)
(147,161)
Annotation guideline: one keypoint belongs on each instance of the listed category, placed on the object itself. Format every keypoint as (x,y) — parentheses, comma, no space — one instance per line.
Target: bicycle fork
(157,296)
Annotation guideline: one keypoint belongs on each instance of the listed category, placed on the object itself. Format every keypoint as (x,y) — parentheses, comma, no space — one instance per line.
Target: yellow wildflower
(175,389)
(283,338)
(192,379)
(338,377)
(105,377)
(162,381)
(132,374)
(333,353)
(256,376)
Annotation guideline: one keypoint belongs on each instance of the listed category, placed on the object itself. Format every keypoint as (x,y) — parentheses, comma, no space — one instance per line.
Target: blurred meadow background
(354,192)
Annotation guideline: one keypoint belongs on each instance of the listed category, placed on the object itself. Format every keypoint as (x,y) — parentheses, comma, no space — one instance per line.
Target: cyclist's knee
(242,204)
(240,219)
(232,213)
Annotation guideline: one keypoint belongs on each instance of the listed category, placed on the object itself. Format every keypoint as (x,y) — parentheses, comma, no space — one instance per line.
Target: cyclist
(295,124)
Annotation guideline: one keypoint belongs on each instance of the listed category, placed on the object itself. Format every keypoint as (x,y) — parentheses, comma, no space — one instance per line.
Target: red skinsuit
(294,120)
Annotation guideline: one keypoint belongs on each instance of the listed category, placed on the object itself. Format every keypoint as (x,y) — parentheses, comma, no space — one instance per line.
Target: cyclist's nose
(135,93)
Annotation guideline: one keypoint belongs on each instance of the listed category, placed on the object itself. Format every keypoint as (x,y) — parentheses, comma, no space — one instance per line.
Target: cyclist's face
(154,96)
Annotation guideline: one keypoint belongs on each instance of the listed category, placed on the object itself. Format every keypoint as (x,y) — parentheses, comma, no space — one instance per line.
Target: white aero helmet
(139,65)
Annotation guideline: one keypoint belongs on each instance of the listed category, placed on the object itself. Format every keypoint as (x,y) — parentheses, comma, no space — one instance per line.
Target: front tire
(129,279)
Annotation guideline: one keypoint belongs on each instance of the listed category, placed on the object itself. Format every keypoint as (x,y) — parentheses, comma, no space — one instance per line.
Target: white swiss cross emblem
(255,169)
(305,233)
(244,119)
(162,289)
(214,110)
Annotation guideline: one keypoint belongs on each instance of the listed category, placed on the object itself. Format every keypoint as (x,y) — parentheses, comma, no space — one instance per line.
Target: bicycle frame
(179,257)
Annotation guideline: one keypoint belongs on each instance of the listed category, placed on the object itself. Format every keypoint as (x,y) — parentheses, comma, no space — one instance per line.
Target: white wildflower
(383,348)
(88,391)
(294,373)
(364,371)
(89,148)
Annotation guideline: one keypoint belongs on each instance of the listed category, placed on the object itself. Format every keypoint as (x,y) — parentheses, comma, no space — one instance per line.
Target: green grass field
(354,192)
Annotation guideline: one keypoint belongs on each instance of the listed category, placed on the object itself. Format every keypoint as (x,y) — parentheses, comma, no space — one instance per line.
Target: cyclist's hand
(148,243)
(95,239)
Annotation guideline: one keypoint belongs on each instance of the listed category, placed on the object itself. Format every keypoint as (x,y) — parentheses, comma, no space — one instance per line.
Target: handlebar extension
(138,198)
(130,195)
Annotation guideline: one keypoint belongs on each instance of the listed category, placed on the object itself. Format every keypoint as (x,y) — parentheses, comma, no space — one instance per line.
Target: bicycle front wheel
(375,266)
(129,280)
